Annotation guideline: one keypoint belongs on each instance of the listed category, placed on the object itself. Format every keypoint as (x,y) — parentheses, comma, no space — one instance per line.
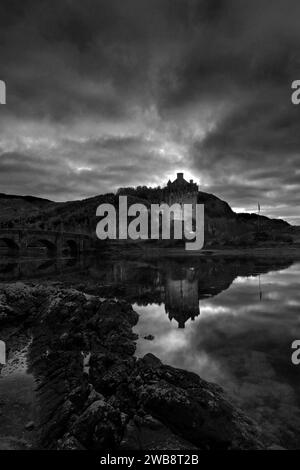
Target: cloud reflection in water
(243,344)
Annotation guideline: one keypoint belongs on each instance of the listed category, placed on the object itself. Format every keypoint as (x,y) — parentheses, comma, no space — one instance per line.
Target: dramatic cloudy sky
(108,93)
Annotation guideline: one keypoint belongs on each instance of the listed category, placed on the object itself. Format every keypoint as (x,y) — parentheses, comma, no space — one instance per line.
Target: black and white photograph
(149,229)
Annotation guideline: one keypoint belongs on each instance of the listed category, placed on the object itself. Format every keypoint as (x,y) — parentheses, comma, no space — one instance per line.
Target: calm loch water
(232,321)
(240,339)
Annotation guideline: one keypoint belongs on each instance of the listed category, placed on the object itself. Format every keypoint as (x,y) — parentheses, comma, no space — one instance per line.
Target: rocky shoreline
(93,393)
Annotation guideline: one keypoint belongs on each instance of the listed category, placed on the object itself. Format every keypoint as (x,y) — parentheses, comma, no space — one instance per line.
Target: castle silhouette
(180,191)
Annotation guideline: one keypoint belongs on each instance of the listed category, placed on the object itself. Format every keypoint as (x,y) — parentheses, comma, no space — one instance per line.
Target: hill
(223,226)
(14,207)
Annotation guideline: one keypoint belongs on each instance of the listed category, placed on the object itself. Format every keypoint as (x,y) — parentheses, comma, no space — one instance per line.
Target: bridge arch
(49,245)
(71,245)
(10,244)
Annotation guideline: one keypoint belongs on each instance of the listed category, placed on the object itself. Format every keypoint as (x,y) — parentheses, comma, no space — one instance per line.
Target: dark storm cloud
(108,93)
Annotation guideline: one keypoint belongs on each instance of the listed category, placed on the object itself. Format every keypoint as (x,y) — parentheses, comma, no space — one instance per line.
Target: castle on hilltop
(180,191)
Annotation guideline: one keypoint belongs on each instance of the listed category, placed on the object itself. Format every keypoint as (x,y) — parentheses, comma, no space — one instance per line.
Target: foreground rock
(94,394)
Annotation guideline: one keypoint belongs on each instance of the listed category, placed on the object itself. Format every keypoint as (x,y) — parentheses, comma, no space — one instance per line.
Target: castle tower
(181,191)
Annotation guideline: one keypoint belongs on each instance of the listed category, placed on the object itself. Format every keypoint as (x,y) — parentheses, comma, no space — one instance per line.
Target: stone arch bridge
(19,241)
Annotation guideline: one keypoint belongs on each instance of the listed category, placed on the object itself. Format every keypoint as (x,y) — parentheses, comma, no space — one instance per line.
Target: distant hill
(74,216)
(32,199)
(14,207)
(223,226)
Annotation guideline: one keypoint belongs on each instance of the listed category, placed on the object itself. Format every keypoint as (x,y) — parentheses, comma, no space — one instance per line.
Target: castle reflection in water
(176,287)
(181,298)
(178,284)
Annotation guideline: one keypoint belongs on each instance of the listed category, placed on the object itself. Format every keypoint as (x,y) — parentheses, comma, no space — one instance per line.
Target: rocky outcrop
(94,394)
(193,408)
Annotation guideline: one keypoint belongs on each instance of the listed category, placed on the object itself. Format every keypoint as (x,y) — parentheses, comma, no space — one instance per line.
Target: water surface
(232,321)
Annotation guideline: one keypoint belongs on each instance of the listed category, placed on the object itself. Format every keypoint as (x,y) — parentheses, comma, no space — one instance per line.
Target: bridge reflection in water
(33,268)
(177,284)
